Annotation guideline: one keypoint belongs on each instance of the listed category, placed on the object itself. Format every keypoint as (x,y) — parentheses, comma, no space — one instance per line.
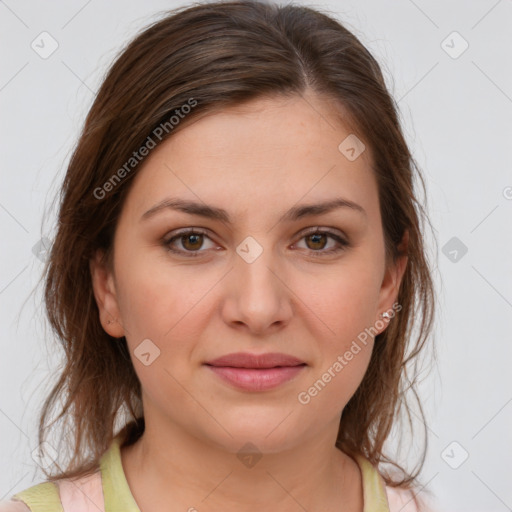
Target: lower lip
(252,379)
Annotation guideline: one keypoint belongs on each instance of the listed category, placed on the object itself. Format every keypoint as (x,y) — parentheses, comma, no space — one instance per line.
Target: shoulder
(405,500)
(84,494)
(401,499)
(42,496)
(13,506)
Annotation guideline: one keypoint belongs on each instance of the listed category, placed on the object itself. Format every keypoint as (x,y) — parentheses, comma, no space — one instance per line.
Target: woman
(237,271)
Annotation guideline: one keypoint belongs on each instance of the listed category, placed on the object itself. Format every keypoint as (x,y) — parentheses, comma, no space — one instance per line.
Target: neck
(173,470)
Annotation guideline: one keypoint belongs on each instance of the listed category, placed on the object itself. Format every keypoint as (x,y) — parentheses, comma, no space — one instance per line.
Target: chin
(265,436)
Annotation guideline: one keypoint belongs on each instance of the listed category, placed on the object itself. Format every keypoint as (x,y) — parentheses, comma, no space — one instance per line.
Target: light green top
(44,497)
(116,492)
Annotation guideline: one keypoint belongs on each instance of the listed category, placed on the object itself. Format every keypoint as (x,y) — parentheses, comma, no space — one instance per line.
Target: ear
(391,283)
(105,295)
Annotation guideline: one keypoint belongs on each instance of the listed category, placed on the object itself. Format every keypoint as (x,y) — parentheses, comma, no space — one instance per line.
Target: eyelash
(198,231)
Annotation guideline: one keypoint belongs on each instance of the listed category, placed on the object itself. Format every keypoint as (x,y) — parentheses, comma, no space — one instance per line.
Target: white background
(456,114)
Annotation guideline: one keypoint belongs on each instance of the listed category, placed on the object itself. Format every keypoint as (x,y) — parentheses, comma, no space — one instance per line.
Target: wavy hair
(220,55)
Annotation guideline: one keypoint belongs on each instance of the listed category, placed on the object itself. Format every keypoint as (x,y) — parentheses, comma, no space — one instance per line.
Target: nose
(257,298)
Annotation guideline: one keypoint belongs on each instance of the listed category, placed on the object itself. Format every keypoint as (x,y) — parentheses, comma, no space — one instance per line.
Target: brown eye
(192,242)
(318,240)
(187,243)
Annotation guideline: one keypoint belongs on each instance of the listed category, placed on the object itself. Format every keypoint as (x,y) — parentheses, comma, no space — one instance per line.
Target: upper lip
(247,360)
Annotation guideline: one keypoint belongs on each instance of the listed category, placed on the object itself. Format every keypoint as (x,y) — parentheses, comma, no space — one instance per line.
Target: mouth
(251,372)
(256,379)
(256,361)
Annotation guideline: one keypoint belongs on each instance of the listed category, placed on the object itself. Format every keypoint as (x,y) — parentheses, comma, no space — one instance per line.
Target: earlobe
(391,284)
(105,295)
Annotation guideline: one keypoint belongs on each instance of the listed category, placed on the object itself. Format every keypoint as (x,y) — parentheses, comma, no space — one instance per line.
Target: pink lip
(253,372)
(247,360)
(252,379)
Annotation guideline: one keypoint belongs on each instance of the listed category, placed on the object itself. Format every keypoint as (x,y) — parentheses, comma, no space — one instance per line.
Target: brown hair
(220,55)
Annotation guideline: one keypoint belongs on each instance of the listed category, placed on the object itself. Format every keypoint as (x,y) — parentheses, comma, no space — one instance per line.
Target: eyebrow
(212,212)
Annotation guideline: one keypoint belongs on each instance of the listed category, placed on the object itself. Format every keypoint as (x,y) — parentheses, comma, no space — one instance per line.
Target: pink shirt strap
(82,495)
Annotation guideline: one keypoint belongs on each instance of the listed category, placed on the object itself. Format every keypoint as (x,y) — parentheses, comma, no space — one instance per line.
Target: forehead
(270,150)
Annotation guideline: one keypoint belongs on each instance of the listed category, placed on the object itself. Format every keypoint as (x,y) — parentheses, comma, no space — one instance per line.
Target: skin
(279,153)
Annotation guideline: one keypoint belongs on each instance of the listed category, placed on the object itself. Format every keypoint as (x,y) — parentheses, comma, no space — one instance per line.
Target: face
(255,279)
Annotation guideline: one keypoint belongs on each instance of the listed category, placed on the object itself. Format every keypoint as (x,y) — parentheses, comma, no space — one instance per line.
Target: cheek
(328,392)
(344,299)
(157,307)
(162,302)
(342,306)
(343,354)
(151,294)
